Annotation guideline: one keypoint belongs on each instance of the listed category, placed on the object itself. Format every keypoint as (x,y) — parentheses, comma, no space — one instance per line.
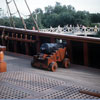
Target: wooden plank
(38,44)
(69,50)
(27,48)
(15,46)
(52,40)
(90,93)
(85,51)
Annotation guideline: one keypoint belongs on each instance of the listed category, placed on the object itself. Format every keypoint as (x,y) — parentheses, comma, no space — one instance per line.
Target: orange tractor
(49,57)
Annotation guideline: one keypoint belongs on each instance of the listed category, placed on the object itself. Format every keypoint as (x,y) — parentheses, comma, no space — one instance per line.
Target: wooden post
(26,46)
(3,65)
(69,50)
(85,50)
(7,47)
(15,46)
(52,40)
(90,93)
(38,44)
(15,43)
(3,37)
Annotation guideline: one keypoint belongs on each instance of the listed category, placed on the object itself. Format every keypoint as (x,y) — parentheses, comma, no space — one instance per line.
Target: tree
(49,9)
(56,15)
(82,17)
(95,18)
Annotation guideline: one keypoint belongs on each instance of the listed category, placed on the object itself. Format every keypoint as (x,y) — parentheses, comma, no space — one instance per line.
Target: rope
(13,13)
(20,15)
(32,15)
(9,2)
(12,21)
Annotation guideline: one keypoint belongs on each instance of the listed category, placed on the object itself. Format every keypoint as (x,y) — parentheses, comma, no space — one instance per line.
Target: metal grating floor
(69,92)
(19,85)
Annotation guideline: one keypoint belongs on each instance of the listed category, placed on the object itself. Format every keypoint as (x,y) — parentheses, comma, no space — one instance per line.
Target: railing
(29,41)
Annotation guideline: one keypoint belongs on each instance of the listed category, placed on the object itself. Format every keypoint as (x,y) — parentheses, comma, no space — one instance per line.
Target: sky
(93,6)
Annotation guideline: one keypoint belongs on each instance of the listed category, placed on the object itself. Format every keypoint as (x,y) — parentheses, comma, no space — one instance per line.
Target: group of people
(81,28)
(70,28)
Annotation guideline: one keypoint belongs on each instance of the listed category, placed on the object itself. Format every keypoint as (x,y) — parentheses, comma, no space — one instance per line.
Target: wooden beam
(85,51)
(69,50)
(52,40)
(38,44)
(90,93)
(27,48)
(15,46)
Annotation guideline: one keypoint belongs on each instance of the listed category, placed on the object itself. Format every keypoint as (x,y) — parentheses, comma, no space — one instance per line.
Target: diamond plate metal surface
(19,84)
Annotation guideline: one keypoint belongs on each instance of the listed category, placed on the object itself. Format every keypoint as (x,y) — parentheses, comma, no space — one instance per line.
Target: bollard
(3,65)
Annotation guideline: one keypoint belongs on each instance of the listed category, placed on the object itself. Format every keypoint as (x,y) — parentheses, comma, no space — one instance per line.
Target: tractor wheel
(66,63)
(53,66)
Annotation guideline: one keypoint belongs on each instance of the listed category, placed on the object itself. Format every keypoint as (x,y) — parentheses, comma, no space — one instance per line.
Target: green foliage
(54,16)
(82,17)
(18,22)
(4,21)
(94,24)
(95,18)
